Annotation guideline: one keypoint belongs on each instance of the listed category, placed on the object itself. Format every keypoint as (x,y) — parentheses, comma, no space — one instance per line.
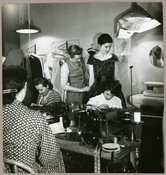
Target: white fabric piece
(58,127)
(141,100)
(154,83)
(151,93)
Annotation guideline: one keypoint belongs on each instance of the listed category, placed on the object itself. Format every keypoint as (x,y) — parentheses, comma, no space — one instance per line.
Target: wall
(84,21)
(74,21)
(10,22)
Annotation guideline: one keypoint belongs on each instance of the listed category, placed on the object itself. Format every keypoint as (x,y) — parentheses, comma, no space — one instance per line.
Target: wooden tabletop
(74,146)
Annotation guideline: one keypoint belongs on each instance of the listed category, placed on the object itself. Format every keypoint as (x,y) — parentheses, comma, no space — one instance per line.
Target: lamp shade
(135,20)
(27,28)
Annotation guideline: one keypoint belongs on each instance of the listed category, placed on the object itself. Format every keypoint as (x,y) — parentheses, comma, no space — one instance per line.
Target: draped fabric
(15,57)
(55,78)
(52,68)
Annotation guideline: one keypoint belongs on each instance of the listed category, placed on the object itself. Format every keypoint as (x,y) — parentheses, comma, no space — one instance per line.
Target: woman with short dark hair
(27,137)
(103,67)
(46,95)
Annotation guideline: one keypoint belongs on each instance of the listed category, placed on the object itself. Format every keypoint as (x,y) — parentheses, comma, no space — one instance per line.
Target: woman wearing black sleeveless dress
(103,67)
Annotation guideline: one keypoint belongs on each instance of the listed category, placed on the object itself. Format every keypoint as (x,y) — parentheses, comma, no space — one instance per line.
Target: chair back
(14,165)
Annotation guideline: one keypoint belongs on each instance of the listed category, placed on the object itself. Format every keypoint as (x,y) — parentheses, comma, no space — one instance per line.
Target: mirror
(156,56)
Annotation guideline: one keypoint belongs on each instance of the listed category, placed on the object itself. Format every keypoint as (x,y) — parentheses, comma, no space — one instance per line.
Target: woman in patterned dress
(27,137)
(103,67)
(46,95)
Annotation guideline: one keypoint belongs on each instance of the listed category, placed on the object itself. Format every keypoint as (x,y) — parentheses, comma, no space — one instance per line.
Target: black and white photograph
(82,86)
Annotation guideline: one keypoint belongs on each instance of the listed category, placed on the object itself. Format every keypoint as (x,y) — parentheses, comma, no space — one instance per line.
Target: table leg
(132,158)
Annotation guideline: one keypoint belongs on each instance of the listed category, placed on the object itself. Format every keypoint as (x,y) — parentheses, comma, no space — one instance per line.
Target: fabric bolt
(27,138)
(98,100)
(52,97)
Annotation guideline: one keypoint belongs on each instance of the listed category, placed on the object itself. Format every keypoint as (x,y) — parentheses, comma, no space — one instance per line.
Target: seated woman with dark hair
(49,101)
(27,137)
(108,101)
(108,98)
(47,95)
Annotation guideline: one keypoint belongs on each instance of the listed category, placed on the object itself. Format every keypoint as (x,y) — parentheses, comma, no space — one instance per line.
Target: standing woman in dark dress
(103,67)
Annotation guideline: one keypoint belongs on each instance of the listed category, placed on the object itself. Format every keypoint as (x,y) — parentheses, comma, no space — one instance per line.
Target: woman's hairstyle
(113,86)
(104,38)
(44,81)
(74,50)
(14,79)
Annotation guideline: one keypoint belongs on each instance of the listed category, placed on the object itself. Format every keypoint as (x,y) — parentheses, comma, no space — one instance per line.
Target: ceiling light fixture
(27,28)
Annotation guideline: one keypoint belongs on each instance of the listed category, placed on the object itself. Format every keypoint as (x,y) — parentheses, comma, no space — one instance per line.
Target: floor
(151,150)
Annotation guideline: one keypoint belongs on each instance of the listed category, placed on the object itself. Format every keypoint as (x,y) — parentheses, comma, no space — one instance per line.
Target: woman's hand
(34,104)
(86,88)
(103,106)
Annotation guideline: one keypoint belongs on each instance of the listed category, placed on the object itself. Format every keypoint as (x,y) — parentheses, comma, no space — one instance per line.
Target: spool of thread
(115,139)
(127,114)
(137,117)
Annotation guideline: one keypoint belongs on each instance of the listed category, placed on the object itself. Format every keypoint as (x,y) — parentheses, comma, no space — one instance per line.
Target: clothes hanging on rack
(55,79)
(47,71)
(33,66)
(15,57)
(41,61)
(28,96)
(52,68)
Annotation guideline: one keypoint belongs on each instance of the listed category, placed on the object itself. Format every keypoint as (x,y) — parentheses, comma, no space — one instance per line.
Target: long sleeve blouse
(27,138)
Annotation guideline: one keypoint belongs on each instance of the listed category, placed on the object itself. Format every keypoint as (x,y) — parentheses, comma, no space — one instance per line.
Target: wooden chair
(15,165)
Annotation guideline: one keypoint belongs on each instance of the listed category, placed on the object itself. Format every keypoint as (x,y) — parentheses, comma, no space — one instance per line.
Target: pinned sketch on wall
(122,48)
(43,49)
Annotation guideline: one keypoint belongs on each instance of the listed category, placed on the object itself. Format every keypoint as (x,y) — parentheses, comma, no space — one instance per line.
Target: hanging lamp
(135,20)
(27,28)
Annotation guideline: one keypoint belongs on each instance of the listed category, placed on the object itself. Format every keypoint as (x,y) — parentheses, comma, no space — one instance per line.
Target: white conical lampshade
(135,20)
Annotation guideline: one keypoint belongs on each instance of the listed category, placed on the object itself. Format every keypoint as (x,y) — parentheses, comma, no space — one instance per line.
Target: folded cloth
(152,93)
